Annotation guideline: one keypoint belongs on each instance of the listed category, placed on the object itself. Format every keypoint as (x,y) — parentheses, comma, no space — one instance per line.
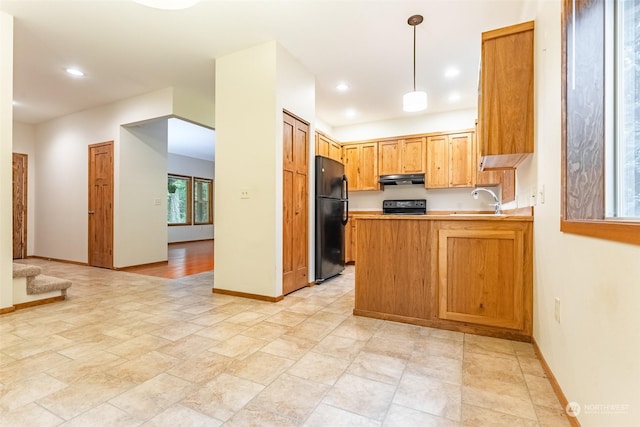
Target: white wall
(142,197)
(437,199)
(246,141)
(61,179)
(6,178)
(425,123)
(188,166)
(24,142)
(594,351)
(252,88)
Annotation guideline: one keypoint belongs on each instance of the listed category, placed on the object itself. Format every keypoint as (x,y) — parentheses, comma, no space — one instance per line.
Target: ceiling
(127,49)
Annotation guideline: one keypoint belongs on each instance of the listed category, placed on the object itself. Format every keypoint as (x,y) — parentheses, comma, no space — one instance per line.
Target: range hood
(402,179)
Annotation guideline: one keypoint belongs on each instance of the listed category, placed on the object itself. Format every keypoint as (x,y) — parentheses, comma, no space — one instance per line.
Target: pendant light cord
(414,58)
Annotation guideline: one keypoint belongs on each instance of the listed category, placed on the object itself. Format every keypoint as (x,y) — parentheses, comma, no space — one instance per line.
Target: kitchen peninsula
(465,272)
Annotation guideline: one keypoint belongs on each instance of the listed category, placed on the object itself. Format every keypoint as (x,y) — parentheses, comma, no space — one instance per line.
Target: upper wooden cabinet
(328,147)
(505,110)
(361,165)
(450,160)
(405,155)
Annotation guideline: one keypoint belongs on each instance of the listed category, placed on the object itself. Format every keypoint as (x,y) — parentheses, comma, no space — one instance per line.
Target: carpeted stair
(37,285)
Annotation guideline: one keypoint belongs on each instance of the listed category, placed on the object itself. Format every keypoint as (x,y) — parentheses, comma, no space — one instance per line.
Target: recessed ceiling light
(454,97)
(168,4)
(451,72)
(342,87)
(350,112)
(75,72)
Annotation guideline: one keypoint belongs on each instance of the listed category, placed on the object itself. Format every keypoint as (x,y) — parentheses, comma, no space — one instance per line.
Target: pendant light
(416,100)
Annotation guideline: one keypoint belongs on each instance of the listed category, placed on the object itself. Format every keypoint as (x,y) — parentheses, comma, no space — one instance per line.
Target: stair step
(25,270)
(41,284)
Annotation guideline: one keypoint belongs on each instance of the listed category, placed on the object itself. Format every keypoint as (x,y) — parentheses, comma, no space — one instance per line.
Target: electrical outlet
(244,193)
(157,202)
(541,195)
(556,311)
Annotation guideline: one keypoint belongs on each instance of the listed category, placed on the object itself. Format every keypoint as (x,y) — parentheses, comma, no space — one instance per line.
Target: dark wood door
(19,205)
(101,205)
(295,252)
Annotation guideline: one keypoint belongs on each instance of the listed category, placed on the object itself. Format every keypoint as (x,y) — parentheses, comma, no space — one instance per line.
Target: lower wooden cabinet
(481,275)
(350,240)
(472,276)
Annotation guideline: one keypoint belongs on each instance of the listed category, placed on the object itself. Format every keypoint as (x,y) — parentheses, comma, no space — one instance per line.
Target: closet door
(295,204)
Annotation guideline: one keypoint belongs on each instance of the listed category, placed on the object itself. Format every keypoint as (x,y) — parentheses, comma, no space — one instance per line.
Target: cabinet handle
(481,305)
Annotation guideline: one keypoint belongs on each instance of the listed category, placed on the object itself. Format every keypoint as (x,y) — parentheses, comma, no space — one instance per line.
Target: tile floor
(129,350)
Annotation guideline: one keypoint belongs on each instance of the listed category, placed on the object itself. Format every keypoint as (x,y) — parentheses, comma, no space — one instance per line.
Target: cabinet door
(368,167)
(481,276)
(351,157)
(322,145)
(437,175)
(507,93)
(461,160)
(413,158)
(335,151)
(350,240)
(389,157)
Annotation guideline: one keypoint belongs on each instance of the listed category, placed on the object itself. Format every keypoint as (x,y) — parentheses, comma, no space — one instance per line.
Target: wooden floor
(184,259)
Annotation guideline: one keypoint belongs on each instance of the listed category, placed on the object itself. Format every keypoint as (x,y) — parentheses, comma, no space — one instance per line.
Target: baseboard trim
(191,241)
(39,302)
(150,264)
(66,261)
(554,382)
(7,310)
(246,295)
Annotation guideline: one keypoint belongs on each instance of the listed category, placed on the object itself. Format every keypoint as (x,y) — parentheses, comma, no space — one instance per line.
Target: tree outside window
(179,200)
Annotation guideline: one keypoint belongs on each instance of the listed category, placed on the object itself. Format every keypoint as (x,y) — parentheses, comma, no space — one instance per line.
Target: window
(627,110)
(601,119)
(179,200)
(202,201)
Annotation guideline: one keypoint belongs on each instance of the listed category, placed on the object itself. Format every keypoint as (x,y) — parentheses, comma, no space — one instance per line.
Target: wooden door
(295,204)
(101,205)
(461,160)
(413,155)
(389,157)
(368,167)
(437,175)
(19,205)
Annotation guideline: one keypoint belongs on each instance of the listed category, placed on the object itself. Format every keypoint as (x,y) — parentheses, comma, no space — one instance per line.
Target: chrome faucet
(497,205)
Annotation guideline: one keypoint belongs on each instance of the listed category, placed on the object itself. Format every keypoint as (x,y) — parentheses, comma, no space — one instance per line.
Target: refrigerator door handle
(345,187)
(345,212)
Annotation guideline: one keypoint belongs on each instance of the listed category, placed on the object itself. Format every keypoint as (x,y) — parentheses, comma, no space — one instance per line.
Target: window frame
(210,201)
(595,224)
(189,218)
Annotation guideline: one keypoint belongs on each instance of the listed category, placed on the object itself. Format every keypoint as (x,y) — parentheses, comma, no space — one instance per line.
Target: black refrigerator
(332,214)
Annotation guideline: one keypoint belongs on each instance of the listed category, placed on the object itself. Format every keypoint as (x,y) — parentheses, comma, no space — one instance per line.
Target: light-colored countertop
(524,214)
